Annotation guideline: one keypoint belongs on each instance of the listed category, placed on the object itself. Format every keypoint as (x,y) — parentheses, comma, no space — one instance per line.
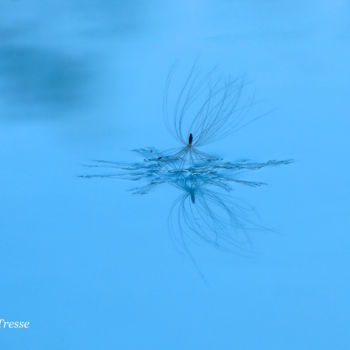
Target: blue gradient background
(92,266)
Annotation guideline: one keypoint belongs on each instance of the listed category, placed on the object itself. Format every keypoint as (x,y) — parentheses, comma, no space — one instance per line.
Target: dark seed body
(190,139)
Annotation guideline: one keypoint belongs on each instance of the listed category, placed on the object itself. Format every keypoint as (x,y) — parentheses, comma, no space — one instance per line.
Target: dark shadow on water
(48,53)
(34,77)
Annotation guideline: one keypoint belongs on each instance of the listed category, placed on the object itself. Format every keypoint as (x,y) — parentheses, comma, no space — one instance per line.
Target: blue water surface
(93,266)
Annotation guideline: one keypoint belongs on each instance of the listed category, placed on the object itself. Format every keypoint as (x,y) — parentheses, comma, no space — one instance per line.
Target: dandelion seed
(206,109)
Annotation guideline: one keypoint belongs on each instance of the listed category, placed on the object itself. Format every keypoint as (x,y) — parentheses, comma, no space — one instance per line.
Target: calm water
(91,265)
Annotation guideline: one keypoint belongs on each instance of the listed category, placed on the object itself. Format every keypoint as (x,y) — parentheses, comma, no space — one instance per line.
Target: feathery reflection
(205,210)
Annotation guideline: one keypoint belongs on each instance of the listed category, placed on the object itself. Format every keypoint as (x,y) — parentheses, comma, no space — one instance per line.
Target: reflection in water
(205,211)
(206,109)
